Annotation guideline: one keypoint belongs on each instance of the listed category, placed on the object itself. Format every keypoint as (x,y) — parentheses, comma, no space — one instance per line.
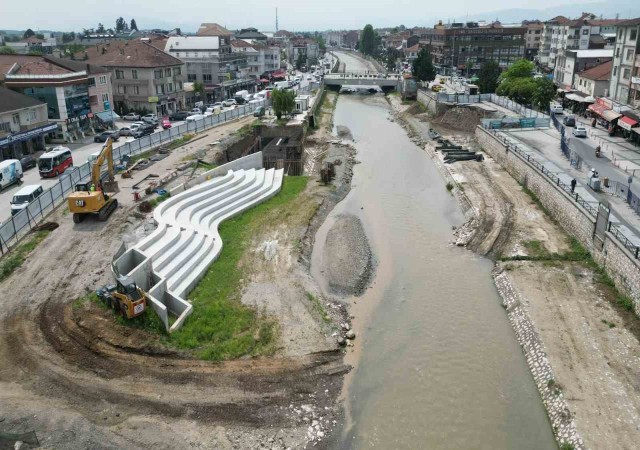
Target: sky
(294,15)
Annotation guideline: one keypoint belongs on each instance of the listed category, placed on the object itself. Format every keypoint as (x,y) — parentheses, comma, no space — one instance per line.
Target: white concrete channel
(170,261)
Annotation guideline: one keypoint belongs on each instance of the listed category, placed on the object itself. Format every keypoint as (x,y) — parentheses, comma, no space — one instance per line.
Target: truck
(409,88)
(10,173)
(282,84)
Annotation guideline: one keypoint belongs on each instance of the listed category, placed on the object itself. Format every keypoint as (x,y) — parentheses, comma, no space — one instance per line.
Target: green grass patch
(567,446)
(16,257)
(221,327)
(318,307)
(159,199)
(180,141)
(449,186)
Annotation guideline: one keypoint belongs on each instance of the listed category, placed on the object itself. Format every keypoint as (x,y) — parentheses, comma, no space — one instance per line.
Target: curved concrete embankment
(170,261)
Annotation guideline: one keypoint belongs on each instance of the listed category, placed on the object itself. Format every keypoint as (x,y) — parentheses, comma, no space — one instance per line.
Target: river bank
(581,346)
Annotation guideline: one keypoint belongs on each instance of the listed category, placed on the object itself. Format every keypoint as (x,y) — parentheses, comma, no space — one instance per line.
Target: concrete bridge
(384,80)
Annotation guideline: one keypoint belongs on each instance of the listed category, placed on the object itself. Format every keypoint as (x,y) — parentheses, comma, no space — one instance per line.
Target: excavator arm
(110,185)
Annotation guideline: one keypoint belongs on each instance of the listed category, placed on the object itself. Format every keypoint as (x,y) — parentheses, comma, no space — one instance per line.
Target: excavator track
(107,210)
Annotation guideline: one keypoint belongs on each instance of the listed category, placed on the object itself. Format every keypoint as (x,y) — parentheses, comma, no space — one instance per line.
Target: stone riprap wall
(559,414)
(619,263)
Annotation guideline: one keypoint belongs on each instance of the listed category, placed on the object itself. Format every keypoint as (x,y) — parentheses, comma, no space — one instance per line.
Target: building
(465,46)
(34,45)
(334,38)
(65,91)
(625,74)
(144,77)
(575,61)
(532,38)
(23,124)
(351,39)
(594,82)
(302,49)
(100,86)
(252,34)
(411,53)
(268,58)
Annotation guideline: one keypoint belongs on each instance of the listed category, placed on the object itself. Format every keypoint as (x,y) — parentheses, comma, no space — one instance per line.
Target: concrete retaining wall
(618,262)
(430,102)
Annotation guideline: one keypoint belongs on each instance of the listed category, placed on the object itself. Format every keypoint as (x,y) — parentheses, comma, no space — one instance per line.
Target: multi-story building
(465,46)
(308,48)
(261,59)
(34,45)
(144,78)
(63,89)
(351,39)
(625,74)
(100,86)
(575,61)
(23,124)
(334,38)
(532,38)
(594,82)
(252,34)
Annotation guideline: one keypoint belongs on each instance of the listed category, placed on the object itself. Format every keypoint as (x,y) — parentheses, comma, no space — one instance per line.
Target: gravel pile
(458,118)
(347,256)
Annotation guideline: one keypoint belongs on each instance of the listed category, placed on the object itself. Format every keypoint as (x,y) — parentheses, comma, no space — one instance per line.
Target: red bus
(54,162)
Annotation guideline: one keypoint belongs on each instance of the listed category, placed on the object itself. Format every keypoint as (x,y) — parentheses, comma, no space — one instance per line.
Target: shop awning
(107,116)
(610,115)
(626,123)
(575,98)
(598,109)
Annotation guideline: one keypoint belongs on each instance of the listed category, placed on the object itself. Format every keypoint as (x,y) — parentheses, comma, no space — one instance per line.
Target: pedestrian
(573,185)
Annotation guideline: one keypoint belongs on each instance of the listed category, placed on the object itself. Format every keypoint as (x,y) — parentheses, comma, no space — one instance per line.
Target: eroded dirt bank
(589,343)
(80,379)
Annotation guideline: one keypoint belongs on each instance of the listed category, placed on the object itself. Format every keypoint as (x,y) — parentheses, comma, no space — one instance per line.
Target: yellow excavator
(95,197)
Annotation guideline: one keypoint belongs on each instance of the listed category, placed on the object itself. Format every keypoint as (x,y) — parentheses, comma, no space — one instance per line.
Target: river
(436,363)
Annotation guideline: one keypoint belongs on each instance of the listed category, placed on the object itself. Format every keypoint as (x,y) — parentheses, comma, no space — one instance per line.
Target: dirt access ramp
(92,384)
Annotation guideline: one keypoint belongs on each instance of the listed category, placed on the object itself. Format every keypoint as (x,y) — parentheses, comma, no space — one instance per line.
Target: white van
(10,172)
(281,84)
(24,196)
(241,94)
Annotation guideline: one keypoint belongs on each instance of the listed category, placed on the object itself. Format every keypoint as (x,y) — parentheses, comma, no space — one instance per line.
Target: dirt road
(79,380)
(591,342)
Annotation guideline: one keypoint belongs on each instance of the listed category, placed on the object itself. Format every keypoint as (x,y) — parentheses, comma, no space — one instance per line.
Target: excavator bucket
(110,186)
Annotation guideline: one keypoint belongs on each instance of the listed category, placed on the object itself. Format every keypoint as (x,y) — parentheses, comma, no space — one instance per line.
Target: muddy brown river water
(436,363)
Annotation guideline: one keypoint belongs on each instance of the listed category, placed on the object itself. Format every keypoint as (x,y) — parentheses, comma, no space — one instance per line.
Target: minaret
(276,19)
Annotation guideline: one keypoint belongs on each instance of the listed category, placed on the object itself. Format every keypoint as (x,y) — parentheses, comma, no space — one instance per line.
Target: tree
(423,68)
(100,28)
(121,24)
(322,46)
(283,102)
(198,88)
(543,95)
(368,40)
(134,25)
(6,50)
(488,77)
(27,34)
(39,35)
(300,61)
(520,69)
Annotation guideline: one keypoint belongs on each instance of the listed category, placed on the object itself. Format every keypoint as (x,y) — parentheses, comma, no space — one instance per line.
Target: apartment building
(625,74)
(532,38)
(308,48)
(575,61)
(100,86)
(465,46)
(144,77)
(594,82)
(23,124)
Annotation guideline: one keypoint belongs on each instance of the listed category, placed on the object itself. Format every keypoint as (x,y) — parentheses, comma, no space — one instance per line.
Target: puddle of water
(436,362)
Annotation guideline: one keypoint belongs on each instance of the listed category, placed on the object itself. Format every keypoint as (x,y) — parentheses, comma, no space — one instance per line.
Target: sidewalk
(544,146)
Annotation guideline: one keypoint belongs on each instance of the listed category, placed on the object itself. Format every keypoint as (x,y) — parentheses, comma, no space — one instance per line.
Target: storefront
(578,104)
(16,145)
(605,117)
(628,123)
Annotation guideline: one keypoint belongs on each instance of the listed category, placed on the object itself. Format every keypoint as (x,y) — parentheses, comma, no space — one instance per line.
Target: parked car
(259,112)
(569,121)
(166,123)
(147,117)
(557,109)
(580,131)
(196,111)
(195,117)
(229,102)
(125,131)
(131,116)
(28,162)
(102,137)
(151,121)
(144,130)
(24,196)
(179,115)
(216,105)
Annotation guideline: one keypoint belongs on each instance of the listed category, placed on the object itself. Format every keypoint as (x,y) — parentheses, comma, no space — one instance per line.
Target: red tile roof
(132,53)
(598,73)
(213,29)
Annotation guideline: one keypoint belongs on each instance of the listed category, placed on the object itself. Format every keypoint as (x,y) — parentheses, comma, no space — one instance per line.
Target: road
(354,63)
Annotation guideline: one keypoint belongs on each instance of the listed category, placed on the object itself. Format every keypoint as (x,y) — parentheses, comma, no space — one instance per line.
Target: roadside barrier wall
(616,256)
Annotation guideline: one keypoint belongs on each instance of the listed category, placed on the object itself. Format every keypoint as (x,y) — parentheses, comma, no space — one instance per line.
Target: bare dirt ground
(79,380)
(592,343)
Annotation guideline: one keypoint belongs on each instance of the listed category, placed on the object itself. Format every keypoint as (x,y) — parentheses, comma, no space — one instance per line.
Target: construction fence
(20,224)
